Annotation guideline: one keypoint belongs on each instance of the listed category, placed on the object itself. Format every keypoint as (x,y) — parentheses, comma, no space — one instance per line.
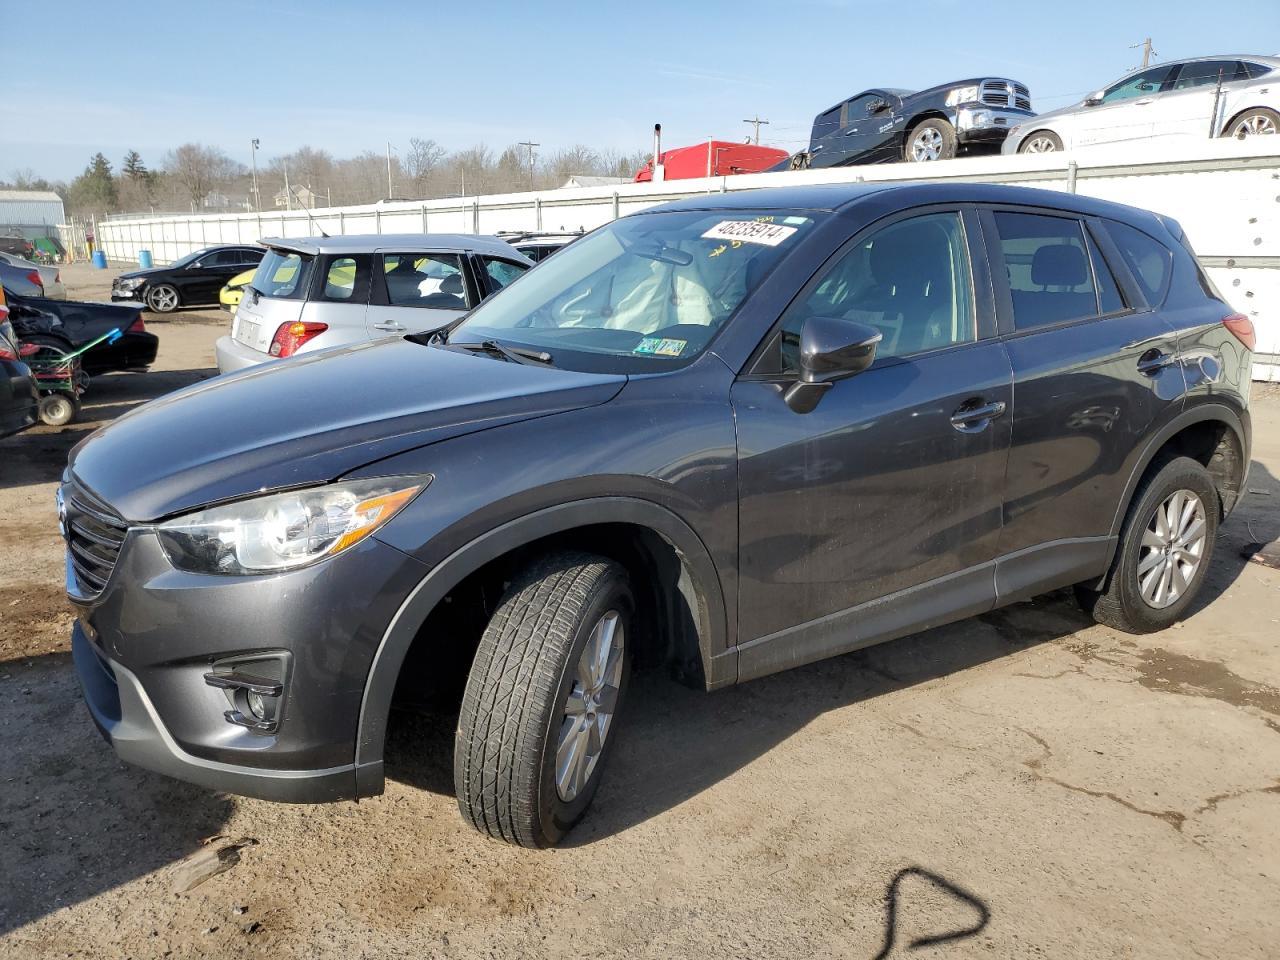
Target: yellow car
(230,296)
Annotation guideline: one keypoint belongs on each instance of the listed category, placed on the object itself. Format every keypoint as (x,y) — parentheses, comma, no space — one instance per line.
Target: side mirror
(1094,98)
(831,349)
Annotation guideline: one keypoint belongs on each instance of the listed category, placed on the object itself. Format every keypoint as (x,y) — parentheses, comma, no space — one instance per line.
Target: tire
(800,161)
(1123,604)
(516,711)
(1255,122)
(1042,141)
(162,298)
(933,139)
(58,409)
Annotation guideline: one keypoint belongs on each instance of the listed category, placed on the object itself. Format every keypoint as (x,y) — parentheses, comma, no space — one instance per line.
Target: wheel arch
(1215,435)
(1241,112)
(693,594)
(1022,139)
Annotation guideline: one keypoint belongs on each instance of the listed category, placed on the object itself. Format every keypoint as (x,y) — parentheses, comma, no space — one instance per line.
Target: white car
(50,277)
(314,293)
(1228,96)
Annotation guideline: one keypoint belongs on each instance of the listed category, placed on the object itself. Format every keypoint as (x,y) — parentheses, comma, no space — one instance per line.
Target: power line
(1148,51)
(757,123)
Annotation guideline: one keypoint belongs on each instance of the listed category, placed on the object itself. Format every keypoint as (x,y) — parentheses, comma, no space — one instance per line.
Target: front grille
(94,536)
(1005,93)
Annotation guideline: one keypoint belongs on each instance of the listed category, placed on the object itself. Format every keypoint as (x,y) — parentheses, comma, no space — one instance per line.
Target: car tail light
(34,277)
(137,326)
(291,336)
(1241,328)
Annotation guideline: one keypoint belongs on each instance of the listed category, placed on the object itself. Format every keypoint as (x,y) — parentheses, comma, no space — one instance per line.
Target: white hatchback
(313,293)
(1205,97)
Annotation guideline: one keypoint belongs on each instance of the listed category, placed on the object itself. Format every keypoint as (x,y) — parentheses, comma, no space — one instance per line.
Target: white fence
(1225,193)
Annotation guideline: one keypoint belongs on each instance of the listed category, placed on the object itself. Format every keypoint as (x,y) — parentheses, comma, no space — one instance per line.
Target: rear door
(1186,109)
(895,479)
(417,291)
(1093,368)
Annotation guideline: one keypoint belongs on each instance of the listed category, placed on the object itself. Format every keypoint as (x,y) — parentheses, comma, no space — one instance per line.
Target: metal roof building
(33,212)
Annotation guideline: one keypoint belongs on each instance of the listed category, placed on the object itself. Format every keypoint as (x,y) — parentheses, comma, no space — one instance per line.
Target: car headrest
(452,284)
(1059,265)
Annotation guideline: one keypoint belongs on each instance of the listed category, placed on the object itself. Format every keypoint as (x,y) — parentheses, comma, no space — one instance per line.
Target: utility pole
(390,191)
(757,123)
(530,145)
(253,159)
(1147,51)
(288,194)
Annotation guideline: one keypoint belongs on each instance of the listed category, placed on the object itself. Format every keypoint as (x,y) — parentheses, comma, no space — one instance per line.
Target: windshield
(282,275)
(644,294)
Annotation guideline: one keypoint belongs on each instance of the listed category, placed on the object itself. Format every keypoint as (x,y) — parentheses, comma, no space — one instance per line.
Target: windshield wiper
(508,352)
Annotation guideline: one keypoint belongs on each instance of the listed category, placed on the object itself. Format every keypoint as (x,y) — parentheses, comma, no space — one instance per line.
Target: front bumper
(987,126)
(142,648)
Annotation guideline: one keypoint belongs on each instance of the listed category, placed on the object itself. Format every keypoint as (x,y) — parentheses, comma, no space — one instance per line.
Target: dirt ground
(1024,784)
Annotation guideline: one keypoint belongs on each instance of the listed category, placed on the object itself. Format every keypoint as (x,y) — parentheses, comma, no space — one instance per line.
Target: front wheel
(162,298)
(934,139)
(1165,549)
(1042,141)
(1253,123)
(542,698)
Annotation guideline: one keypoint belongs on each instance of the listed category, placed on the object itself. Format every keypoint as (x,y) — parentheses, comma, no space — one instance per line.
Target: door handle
(1153,361)
(974,418)
(390,327)
(1141,103)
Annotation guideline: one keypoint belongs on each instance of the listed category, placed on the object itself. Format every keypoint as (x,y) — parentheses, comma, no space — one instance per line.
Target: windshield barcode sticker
(749,231)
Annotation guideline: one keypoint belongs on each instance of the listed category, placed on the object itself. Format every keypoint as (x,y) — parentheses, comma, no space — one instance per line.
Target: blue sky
(83,77)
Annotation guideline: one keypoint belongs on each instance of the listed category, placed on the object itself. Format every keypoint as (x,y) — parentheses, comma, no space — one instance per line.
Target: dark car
(192,281)
(19,397)
(886,125)
(67,325)
(733,434)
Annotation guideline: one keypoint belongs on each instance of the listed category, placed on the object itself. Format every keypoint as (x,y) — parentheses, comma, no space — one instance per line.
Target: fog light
(254,700)
(257,708)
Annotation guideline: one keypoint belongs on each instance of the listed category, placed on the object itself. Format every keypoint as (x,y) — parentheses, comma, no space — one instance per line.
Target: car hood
(149,272)
(312,419)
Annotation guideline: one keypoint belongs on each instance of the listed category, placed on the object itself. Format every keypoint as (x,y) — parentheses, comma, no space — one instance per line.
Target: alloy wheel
(163,299)
(1254,125)
(1041,145)
(1172,549)
(927,145)
(589,708)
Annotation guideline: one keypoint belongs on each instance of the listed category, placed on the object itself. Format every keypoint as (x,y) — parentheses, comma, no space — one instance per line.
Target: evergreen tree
(134,168)
(94,191)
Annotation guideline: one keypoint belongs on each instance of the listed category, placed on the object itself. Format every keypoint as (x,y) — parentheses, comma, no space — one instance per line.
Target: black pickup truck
(886,124)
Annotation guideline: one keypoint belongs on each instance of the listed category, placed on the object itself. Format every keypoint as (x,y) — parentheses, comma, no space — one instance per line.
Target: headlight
(285,530)
(962,95)
(131,283)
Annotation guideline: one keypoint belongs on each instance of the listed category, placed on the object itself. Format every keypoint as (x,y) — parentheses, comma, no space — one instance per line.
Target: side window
(430,280)
(1204,73)
(1138,85)
(1110,300)
(909,280)
(250,257)
(1048,266)
(1252,70)
(827,123)
(1147,258)
(346,279)
(501,272)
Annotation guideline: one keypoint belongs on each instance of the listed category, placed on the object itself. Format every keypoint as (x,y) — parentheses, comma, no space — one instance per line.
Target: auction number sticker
(661,347)
(749,231)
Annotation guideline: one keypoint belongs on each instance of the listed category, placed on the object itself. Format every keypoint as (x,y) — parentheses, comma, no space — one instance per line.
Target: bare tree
(200,169)
(422,163)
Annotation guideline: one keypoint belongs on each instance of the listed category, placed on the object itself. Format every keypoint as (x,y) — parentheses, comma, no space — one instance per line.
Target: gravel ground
(1024,784)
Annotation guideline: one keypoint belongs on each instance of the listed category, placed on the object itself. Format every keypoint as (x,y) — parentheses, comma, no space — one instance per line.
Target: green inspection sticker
(658,346)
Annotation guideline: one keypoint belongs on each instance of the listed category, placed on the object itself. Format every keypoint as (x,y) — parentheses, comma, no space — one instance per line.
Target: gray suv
(731,435)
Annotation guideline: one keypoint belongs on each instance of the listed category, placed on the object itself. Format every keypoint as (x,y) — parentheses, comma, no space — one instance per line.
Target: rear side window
(346,279)
(1110,300)
(1147,258)
(1050,276)
(433,281)
(1204,73)
(501,272)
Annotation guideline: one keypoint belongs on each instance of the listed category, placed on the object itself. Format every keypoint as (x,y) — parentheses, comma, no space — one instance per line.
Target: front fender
(719,661)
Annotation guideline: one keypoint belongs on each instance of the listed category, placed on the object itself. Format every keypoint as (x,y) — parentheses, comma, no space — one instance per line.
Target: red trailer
(716,158)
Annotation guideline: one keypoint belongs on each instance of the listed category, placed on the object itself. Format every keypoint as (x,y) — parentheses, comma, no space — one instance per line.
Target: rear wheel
(1042,141)
(542,698)
(162,298)
(1165,549)
(1253,123)
(934,139)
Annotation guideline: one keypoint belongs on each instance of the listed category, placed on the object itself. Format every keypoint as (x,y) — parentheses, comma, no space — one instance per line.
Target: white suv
(1209,96)
(313,293)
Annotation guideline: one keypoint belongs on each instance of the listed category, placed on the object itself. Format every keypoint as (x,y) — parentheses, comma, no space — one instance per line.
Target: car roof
(835,197)
(408,242)
(1272,62)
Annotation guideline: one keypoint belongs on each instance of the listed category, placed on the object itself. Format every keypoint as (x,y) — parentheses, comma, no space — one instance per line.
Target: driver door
(879,511)
(1125,111)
